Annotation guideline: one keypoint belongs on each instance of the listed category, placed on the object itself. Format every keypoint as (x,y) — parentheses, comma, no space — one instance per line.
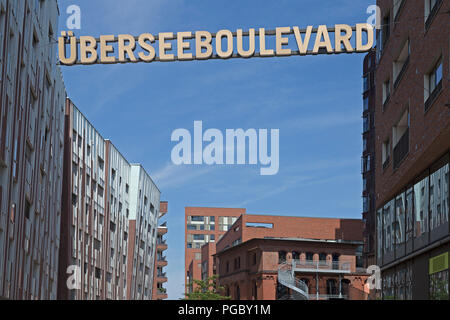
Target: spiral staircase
(298,289)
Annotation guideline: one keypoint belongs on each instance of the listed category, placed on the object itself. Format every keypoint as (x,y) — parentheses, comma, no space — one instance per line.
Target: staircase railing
(286,278)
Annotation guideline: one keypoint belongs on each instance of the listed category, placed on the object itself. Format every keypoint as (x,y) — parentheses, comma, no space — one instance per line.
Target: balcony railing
(401,149)
(432,14)
(327,296)
(314,265)
(386,162)
(402,72)
(433,96)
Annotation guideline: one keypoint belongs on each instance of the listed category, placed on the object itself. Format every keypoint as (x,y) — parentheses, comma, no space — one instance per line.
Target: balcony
(433,96)
(386,163)
(161,277)
(161,245)
(401,149)
(401,73)
(432,14)
(161,293)
(328,297)
(321,266)
(162,230)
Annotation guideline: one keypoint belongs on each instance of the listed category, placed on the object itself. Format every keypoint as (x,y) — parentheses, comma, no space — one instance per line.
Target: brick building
(32,100)
(159,275)
(203,225)
(276,257)
(368,157)
(413,148)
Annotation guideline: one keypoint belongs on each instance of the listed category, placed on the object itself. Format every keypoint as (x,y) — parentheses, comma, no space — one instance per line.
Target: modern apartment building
(368,158)
(276,257)
(413,149)
(203,225)
(110,212)
(32,100)
(159,275)
(143,225)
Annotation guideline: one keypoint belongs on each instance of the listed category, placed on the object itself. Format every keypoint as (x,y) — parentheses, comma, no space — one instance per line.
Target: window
(212,238)
(199,237)
(365,83)
(385,29)
(439,195)
(366,203)
(322,258)
(101,163)
(281,256)
(431,8)
(27,209)
(254,258)
(401,63)
(366,104)
(309,256)
(421,207)
(366,123)
(398,4)
(388,227)
(365,164)
(386,153)
(295,255)
(400,139)
(197,256)
(13,213)
(399,224)
(386,91)
(97,273)
(433,84)
(198,218)
(237,263)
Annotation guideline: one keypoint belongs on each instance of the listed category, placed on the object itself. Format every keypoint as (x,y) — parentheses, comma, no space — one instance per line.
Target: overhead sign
(203,45)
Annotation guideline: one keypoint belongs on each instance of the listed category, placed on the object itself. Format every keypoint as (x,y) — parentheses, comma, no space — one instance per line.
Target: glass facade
(415,217)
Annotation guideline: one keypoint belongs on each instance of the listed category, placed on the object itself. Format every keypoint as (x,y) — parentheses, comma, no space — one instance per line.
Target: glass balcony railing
(401,149)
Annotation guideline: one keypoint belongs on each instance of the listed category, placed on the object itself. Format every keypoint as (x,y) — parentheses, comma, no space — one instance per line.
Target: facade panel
(32,99)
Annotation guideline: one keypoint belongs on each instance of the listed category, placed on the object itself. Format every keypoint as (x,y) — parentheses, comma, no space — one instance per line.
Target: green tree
(206,290)
(439,289)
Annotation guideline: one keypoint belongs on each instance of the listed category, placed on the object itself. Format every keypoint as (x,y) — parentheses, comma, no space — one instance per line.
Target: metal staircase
(299,290)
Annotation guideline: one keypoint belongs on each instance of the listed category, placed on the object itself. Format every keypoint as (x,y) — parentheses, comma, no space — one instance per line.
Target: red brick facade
(204,229)
(250,253)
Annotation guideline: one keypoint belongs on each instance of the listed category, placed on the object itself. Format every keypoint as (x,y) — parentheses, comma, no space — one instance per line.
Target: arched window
(295,255)
(336,261)
(238,293)
(322,258)
(281,256)
(309,257)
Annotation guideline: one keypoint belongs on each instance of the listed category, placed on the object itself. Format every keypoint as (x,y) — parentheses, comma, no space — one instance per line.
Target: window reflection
(439,197)
(421,207)
(400,219)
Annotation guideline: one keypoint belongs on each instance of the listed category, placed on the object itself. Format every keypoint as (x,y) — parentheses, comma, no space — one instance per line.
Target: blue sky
(315,101)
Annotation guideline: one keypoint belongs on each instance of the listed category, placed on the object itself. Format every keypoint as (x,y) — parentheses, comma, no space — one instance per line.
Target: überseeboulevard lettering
(203,45)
